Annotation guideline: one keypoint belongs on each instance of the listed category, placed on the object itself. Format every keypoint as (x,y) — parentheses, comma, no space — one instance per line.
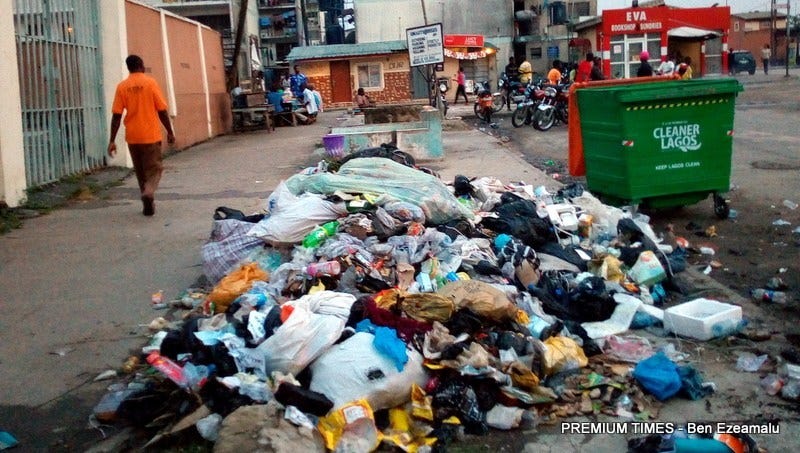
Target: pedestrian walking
(766,54)
(461,82)
(140,98)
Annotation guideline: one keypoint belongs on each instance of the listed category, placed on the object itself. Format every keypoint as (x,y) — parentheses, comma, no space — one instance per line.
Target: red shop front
(698,33)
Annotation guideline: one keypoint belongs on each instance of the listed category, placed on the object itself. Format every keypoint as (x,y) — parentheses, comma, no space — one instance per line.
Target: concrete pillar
(114,48)
(12,156)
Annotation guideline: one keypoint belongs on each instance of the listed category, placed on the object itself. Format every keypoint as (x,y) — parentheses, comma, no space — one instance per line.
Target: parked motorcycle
(511,91)
(484,89)
(553,108)
(441,87)
(531,98)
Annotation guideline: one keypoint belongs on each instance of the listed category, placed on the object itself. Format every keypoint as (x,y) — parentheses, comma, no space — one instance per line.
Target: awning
(693,33)
(580,42)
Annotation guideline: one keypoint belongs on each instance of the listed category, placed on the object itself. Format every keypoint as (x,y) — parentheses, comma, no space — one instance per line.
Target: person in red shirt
(461,81)
(585,68)
(140,98)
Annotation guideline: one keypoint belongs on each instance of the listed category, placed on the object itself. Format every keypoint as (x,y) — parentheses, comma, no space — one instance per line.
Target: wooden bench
(256,117)
(284,118)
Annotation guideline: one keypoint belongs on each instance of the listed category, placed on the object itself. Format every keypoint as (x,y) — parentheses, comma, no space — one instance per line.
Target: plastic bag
(562,353)
(750,362)
(659,376)
(208,427)
(648,269)
(630,348)
(228,245)
(404,211)
(354,369)
(234,285)
(482,298)
(303,337)
(384,176)
(350,428)
(427,307)
(293,217)
(326,303)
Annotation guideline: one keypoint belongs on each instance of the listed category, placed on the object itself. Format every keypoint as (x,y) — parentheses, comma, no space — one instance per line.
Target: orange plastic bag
(234,285)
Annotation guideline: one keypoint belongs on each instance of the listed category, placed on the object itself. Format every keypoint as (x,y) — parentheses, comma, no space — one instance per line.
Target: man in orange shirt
(140,97)
(554,76)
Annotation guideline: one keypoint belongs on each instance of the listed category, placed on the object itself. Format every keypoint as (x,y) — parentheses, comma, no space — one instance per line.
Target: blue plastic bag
(386,342)
(659,376)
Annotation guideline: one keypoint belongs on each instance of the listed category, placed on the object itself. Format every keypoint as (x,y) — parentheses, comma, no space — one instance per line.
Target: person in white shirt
(308,113)
(317,96)
(667,67)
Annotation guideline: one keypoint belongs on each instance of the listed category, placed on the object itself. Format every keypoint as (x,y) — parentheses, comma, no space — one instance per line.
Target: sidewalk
(77,282)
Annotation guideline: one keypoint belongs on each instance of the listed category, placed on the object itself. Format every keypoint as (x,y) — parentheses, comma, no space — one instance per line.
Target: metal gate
(61,87)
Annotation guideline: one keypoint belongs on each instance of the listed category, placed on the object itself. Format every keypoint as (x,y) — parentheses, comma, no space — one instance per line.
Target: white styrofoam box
(702,319)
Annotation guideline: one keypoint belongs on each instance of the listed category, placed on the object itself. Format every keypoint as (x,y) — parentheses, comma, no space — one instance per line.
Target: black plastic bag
(459,399)
(518,218)
(225,213)
(306,400)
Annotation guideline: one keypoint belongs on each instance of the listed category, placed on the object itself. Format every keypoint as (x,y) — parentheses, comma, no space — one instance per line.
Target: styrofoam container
(702,319)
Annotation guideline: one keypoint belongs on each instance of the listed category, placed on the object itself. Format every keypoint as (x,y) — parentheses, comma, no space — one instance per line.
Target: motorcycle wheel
(478,111)
(519,116)
(498,102)
(544,119)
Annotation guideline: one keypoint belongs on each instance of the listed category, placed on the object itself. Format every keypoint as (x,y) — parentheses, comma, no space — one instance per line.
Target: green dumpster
(660,144)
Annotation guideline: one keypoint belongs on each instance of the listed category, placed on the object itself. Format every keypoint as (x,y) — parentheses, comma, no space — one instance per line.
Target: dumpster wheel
(721,208)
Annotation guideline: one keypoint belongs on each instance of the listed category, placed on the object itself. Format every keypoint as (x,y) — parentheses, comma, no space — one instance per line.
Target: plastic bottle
(323,268)
(768,295)
(320,234)
(169,368)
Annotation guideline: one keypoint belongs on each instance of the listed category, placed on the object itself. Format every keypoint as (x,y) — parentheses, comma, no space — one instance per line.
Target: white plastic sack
(292,218)
(620,320)
(326,303)
(384,176)
(354,369)
(296,343)
(226,247)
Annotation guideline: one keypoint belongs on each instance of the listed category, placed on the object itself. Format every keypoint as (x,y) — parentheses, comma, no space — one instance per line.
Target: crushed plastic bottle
(323,268)
(790,204)
(768,295)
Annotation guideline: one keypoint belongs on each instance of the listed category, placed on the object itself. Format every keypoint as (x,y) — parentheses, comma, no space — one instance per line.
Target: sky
(737,6)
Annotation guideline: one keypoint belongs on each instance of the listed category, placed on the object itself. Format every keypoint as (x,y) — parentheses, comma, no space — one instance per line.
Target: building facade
(546,31)
(490,20)
(750,31)
(698,33)
(62,63)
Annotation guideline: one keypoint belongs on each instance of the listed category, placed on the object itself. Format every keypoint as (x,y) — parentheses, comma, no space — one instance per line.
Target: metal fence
(60,74)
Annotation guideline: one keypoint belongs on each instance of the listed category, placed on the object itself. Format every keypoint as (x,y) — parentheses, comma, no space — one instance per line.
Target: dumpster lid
(677,89)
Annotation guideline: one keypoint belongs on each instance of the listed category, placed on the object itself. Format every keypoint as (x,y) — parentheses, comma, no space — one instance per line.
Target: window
(736,26)
(580,9)
(369,75)
(536,53)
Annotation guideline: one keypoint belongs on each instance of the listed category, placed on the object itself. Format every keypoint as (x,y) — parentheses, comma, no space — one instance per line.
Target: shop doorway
(340,81)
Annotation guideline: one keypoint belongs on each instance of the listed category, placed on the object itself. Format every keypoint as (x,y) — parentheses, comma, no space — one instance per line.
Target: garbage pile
(374,303)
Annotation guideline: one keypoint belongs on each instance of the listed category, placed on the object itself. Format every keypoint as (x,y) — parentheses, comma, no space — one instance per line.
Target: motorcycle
(553,107)
(532,97)
(481,89)
(511,90)
(441,87)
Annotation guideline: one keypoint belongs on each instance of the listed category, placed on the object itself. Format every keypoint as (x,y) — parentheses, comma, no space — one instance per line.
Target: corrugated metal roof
(345,50)
(757,15)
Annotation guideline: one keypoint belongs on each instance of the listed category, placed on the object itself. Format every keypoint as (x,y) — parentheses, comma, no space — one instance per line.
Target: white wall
(114,48)
(12,156)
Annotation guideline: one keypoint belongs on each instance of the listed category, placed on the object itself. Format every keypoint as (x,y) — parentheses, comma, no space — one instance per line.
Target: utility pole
(788,15)
(772,31)
(233,76)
